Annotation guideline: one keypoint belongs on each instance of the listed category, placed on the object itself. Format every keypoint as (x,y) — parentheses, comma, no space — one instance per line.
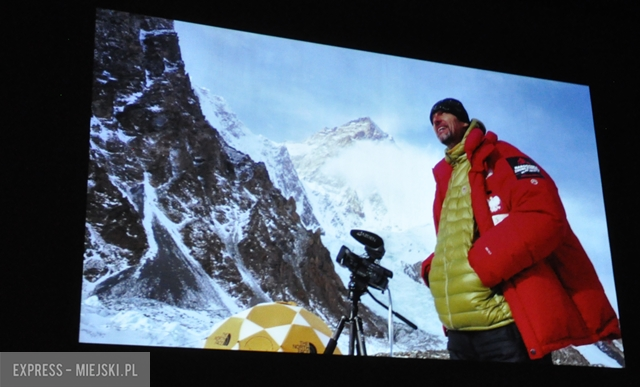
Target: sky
(287,90)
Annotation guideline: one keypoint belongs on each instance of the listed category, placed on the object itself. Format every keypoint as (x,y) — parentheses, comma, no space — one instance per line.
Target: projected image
(228,169)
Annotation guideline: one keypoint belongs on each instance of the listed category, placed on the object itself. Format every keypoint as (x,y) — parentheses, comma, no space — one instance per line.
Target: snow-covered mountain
(275,156)
(322,165)
(177,217)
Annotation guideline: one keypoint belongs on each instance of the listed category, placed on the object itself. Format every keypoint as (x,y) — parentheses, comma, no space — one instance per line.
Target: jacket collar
(478,145)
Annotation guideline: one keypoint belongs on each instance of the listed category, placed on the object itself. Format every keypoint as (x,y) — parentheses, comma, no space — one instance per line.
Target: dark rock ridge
(176,215)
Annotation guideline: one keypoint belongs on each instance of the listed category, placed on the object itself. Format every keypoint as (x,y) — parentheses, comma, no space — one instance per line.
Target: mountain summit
(344,135)
(330,162)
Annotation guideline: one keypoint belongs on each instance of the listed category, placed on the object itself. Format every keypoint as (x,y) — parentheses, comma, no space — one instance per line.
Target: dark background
(48,116)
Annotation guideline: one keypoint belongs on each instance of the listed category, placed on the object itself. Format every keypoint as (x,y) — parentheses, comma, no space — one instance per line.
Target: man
(509,278)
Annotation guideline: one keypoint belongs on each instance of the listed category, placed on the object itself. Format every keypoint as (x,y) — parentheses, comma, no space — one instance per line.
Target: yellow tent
(272,327)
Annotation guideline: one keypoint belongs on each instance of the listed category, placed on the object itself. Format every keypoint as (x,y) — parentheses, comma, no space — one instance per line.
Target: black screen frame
(584,44)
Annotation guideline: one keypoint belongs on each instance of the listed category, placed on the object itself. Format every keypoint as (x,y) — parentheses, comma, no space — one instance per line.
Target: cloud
(400,174)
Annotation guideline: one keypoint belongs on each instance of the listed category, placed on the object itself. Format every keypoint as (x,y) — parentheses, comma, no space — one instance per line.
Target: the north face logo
(524,167)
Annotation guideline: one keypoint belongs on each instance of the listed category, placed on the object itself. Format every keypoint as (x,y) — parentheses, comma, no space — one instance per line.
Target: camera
(366,269)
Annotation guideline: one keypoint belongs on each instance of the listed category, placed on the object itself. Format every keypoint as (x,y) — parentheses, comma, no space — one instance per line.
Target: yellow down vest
(461,300)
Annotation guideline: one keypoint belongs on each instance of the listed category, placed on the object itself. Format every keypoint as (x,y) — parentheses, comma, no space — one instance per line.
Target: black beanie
(450,105)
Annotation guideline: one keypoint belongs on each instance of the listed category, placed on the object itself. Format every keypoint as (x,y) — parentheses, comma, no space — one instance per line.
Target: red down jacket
(528,249)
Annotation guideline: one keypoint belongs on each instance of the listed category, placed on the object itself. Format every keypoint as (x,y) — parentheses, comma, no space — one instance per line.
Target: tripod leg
(331,345)
(362,349)
(352,338)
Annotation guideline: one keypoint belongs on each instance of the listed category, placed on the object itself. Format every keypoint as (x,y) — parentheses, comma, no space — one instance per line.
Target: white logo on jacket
(495,204)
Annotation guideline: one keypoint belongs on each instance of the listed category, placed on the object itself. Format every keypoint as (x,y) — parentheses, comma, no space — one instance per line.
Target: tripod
(356,336)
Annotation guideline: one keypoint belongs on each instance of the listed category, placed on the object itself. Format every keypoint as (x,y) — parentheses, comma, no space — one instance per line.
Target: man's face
(448,128)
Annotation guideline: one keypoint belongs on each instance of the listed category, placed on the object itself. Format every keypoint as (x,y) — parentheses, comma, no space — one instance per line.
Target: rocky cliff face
(174,213)
(275,156)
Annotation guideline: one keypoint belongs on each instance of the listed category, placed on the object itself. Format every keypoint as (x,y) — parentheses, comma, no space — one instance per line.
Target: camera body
(366,269)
